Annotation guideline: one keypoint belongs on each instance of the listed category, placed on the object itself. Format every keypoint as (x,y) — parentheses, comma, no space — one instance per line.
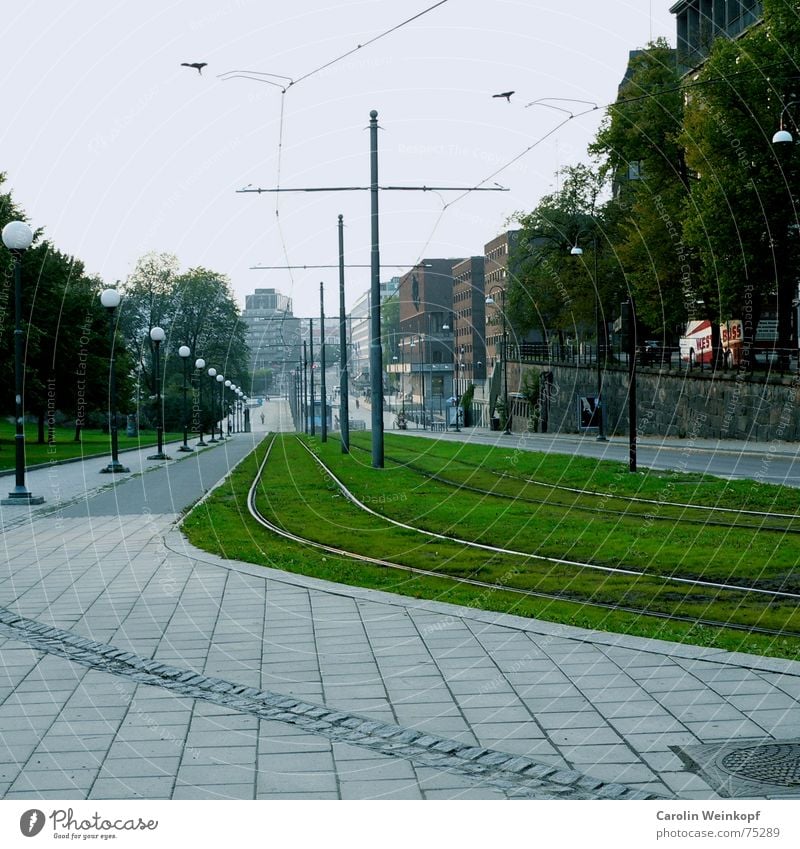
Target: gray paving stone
(199,775)
(295,782)
(129,788)
(67,780)
(140,767)
(384,789)
(223,791)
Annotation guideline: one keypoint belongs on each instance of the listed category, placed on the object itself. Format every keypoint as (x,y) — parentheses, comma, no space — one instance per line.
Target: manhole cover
(777,763)
(747,768)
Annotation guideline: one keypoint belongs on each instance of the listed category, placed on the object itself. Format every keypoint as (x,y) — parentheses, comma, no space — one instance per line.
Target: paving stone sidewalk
(270,685)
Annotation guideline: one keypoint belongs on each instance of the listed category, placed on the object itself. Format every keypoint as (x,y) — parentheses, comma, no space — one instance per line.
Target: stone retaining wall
(731,405)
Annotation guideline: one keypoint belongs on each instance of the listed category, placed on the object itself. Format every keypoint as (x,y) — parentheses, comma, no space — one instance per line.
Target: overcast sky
(116,150)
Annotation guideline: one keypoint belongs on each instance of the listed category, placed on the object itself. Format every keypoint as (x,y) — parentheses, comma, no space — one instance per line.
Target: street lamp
(225,413)
(212,373)
(783,136)
(504,353)
(157,335)
(421,376)
(110,299)
(577,251)
(17,237)
(184,352)
(220,381)
(200,364)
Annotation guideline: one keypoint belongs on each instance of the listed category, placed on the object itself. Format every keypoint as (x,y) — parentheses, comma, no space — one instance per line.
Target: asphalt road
(170,489)
(773,463)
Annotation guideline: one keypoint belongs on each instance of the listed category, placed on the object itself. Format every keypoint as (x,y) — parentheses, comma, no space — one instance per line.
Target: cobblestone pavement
(134,665)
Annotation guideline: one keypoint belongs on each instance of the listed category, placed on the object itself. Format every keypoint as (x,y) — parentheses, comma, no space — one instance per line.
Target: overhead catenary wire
(289,82)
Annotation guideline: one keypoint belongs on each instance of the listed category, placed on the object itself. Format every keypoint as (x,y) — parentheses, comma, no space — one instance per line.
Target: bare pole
(304,405)
(344,353)
(375,353)
(311,377)
(323,391)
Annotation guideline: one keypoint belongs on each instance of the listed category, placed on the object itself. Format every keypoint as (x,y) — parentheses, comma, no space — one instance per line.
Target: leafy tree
(553,290)
(148,301)
(742,219)
(66,334)
(195,308)
(640,147)
(67,342)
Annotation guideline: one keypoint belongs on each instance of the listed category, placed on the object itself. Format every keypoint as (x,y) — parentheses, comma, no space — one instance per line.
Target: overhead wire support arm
(259,191)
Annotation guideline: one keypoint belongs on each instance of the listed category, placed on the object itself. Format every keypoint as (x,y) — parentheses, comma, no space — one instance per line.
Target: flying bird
(506,94)
(198,65)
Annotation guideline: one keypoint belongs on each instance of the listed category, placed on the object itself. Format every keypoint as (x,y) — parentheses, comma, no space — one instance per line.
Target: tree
(195,308)
(67,342)
(551,289)
(148,302)
(742,219)
(640,148)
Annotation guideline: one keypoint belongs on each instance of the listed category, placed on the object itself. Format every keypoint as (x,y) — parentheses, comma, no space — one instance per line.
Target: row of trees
(67,342)
(687,204)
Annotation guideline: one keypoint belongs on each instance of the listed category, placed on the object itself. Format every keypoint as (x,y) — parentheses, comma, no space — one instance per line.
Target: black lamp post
(221,380)
(157,336)
(413,345)
(110,299)
(184,352)
(504,352)
(17,237)
(200,364)
(577,251)
(212,373)
(787,286)
(225,411)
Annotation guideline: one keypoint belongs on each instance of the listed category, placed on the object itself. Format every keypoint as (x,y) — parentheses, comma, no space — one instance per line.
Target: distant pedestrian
(356,403)
(262,418)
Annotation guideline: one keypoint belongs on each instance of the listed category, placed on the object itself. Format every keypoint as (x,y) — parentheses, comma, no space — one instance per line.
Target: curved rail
(597,494)
(708,523)
(271,526)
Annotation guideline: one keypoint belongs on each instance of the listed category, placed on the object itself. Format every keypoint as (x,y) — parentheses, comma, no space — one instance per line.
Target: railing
(767,362)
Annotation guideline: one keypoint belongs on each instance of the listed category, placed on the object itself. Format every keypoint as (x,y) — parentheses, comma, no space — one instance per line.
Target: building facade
(426,336)
(360,332)
(273,334)
(700,22)
(469,324)
(496,279)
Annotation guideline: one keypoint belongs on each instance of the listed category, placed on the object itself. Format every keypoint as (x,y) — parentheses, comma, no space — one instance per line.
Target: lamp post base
(201,443)
(212,441)
(22,496)
(160,456)
(113,467)
(601,438)
(186,449)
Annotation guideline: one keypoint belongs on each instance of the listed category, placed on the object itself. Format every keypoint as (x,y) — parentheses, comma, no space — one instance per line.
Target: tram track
(755,514)
(262,520)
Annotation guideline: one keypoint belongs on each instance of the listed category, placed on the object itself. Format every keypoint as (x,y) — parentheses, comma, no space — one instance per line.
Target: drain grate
(747,768)
(774,763)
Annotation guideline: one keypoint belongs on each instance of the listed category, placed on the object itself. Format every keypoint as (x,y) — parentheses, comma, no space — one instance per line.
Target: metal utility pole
(632,423)
(376,359)
(304,382)
(375,353)
(344,352)
(323,391)
(311,378)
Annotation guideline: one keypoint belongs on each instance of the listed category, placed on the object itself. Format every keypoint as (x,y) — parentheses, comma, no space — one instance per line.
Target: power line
(367,43)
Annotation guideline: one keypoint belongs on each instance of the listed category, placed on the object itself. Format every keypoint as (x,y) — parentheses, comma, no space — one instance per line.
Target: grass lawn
(296,494)
(93,443)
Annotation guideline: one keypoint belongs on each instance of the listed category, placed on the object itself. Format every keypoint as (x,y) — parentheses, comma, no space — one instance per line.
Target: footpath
(134,665)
